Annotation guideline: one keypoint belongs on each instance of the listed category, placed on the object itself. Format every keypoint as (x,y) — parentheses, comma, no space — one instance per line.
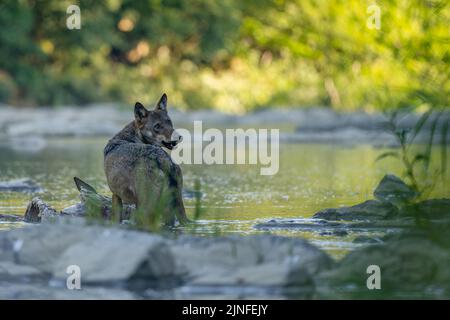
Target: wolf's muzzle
(176,137)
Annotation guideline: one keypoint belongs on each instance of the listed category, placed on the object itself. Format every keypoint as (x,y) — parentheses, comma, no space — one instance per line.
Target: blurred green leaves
(231,55)
(416,159)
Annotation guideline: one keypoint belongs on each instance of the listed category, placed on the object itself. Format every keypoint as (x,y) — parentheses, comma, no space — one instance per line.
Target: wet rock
(153,265)
(432,208)
(394,205)
(164,294)
(10,269)
(218,292)
(91,200)
(332,228)
(266,275)
(39,246)
(11,218)
(411,264)
(100,206)
(38,210)
(107,257)
(78,210)
(368,210)
(20,185)
(103,254)
(252,260)
(337,233)
(300,224)
(392,189)
(95,202)
(367,240)
(41,291)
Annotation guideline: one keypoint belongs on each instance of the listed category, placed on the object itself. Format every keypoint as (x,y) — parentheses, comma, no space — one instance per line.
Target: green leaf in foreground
(444,133)
(387,154)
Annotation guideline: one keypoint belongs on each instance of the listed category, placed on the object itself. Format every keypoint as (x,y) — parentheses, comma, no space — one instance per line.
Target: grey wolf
(138,168)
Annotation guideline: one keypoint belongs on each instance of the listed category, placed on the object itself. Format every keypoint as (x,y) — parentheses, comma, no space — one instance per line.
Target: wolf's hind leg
(178,197)
(117,208)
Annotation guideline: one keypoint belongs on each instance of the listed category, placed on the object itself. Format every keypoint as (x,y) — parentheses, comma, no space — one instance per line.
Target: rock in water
(77,210)
(367,240)
(37,210)
(11,218)
(392,189)
(368,210)
(20,185)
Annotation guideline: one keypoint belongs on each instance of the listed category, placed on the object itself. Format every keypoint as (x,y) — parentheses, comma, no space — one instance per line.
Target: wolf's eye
(156,126)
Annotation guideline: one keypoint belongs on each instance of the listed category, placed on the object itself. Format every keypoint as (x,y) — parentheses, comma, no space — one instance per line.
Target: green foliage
(231,55)
(154,210)
(416,159)
(198,210)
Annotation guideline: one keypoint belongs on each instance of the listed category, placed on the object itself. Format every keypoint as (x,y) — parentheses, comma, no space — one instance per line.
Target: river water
(311,177)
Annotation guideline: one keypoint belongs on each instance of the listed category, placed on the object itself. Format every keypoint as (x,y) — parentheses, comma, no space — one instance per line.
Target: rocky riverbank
(28,129)
(390,211)
(118,263)
(413,264)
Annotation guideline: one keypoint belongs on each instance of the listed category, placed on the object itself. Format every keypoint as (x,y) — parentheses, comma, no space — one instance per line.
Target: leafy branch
(416,164)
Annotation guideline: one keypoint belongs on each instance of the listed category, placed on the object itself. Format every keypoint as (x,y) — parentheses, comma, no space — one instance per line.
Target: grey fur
(138,168)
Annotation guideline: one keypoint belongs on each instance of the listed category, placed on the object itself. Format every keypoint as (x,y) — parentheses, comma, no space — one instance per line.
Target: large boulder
(118,255)
(103,254)
(20,185)
(39,246)
(268,274)
(252,260)
(392,189)
(155,266)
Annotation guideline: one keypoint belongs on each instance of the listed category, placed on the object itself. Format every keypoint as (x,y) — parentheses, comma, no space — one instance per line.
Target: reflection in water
(235,197)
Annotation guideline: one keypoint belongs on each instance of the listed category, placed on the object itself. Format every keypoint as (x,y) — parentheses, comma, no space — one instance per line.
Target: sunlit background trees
(231,55)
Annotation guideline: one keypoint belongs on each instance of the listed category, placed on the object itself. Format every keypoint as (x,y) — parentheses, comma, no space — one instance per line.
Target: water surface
(235,197)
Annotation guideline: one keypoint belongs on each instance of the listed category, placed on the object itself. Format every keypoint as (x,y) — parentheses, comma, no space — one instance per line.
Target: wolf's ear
(140,112)
(162,103)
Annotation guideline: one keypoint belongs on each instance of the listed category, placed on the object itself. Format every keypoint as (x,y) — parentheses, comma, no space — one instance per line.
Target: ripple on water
(235,197)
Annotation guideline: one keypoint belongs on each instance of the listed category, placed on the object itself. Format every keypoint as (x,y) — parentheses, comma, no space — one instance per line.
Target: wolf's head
(154,126)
